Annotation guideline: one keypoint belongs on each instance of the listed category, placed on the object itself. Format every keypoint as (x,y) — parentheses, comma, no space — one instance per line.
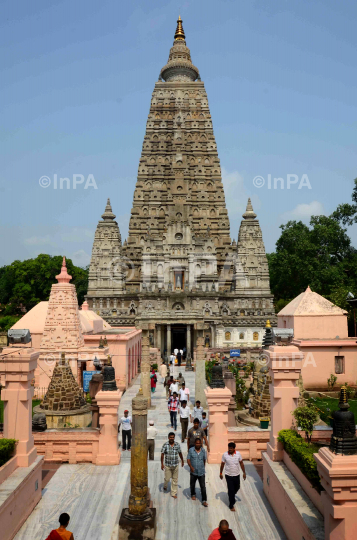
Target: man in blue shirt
(196,459)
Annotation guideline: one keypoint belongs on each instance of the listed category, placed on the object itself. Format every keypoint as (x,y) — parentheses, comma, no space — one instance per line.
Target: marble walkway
(95,496)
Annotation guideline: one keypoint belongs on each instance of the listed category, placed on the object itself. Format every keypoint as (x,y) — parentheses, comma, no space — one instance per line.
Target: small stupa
(64,404)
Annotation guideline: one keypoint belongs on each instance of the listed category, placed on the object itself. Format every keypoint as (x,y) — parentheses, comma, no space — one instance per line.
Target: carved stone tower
(183,269)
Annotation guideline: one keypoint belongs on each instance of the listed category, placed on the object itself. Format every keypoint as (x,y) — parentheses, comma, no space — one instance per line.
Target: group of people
(61,533)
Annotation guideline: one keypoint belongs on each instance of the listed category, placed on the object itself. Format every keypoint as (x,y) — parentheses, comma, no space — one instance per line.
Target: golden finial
(343,394)
(268,325)
(109,360)
(179,34)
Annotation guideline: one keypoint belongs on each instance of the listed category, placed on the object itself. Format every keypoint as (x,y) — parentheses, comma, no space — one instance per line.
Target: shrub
(7,447)
(155,367)
(302,454)
(332,381)
(306,417)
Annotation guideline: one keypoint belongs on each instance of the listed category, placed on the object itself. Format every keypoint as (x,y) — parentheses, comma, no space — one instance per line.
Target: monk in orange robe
(61,533)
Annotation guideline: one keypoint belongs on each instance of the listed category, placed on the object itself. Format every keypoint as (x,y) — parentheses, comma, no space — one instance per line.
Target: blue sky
(76,84)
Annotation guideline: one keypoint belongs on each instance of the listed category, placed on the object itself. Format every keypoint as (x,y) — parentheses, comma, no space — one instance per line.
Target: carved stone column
(158,338)
(145,363)
(138,521)
(188,352)
(230,383)
(95,385)
(168,340)
(200,367)
(108,451)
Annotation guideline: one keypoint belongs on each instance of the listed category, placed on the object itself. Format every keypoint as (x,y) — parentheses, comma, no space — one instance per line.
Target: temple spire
(108,213)
(63,276)
(249,213)
(179,34)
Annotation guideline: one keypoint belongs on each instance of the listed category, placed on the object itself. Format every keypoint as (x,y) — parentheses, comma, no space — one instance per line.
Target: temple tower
(179,268)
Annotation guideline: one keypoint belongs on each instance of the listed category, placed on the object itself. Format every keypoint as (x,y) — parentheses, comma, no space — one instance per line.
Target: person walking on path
(196,459)
(223,531)
(172,363)
(184,393)
(153,380)
(232,461)
(125,423)
(173,387)
(173,406)
(163,371)
(171,451)
(197,412)
(204,423)
(184,417)
(179,357)
(61,533)
(168,381)
(194,433)
(151,434)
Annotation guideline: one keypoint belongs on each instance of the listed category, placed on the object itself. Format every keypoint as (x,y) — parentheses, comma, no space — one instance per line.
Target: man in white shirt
(184,416)
(174,388)
(197,412)
(151,434)
(125,423)
(172,364)
(232,461)
(175,352)
(184,393)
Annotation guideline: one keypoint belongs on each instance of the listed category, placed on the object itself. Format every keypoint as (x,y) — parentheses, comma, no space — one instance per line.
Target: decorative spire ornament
(179,34)
(343,440)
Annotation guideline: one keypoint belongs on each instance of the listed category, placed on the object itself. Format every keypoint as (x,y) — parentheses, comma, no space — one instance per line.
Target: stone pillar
(95,385)
(158,338)
(218,401)
(17,368)
(168,340)
(188,347)
(138,500)
(285,365)
(230,382)
(145,363)
(138,522)
(200,380)
(108,403)
(338,476)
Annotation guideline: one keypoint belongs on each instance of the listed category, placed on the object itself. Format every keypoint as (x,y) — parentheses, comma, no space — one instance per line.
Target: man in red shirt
(223,531)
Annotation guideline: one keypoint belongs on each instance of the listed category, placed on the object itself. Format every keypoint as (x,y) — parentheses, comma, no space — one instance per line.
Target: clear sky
(76,84)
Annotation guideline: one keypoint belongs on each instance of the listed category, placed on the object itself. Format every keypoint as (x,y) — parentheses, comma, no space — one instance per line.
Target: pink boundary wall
(20,477)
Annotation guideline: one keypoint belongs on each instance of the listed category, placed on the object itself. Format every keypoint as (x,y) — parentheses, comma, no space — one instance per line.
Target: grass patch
(326,406)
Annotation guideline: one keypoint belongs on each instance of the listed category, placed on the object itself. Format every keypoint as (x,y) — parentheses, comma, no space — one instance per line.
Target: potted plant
(264,422)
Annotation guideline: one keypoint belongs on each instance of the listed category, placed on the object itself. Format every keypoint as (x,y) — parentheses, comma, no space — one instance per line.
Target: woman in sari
(61,533)
(153,380)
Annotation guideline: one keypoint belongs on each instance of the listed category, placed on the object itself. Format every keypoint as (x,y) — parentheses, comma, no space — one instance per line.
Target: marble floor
(95,496)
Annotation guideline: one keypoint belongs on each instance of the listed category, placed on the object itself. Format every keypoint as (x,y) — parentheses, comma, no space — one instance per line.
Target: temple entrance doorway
(178,336)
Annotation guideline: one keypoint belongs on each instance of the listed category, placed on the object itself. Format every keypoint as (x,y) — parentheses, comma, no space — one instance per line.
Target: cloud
(39,241)
(303,212)
(77,234)
(80,258)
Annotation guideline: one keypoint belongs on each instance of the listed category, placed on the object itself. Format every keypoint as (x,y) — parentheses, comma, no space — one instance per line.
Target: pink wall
(74,446)
(120,346)
(319,361)
(315,326)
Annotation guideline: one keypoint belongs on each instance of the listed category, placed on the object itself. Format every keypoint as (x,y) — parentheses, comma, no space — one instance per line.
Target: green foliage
(242,392)
(332,381)
(7,447)
(319,254)
(68,425)
(208,368)
(155,367)
(25,283)
(326,406)
(306,417)
(7,322)
(302,454)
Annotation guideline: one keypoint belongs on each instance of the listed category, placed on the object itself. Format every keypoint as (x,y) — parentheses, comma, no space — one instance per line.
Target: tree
(25,283)
(306,418)
(319,255)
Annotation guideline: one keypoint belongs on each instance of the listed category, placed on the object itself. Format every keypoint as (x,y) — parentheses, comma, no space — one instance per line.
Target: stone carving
(227,336)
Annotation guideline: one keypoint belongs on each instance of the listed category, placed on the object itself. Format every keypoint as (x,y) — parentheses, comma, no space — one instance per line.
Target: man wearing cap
(125,423)
(152,432)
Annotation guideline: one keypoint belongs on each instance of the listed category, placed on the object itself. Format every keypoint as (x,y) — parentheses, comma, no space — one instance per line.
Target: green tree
(25,283)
